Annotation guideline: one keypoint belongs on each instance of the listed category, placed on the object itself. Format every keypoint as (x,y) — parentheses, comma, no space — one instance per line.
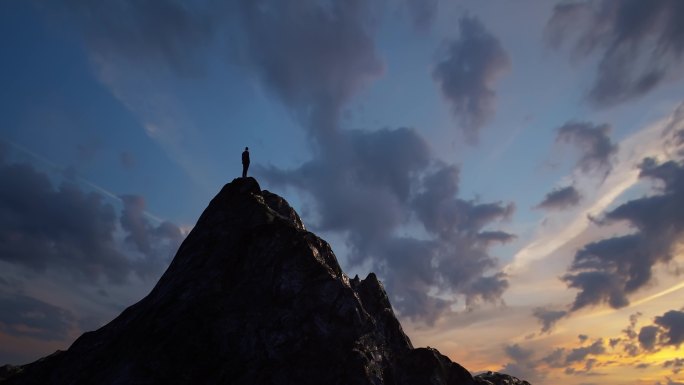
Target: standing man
(245,162)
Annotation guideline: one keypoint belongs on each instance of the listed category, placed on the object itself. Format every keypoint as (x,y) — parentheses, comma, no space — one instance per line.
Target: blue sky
(497,163)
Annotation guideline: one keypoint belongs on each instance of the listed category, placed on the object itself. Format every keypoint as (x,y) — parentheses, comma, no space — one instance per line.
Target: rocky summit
(251,297)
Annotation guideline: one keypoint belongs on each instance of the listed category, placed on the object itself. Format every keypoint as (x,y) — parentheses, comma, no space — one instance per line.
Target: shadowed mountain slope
(251,297)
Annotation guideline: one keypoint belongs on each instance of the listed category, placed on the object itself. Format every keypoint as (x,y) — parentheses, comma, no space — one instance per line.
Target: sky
(512,171)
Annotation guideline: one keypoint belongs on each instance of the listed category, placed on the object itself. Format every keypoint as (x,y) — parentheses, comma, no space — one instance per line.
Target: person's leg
(244,170)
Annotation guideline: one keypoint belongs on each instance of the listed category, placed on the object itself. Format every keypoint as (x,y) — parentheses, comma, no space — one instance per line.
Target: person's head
(246,148)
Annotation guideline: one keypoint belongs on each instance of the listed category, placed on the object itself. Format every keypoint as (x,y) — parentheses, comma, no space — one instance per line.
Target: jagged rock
(251,297)
(494,378)
(7,371)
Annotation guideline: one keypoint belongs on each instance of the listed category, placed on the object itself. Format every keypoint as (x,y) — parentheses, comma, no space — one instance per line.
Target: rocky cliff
(251,297)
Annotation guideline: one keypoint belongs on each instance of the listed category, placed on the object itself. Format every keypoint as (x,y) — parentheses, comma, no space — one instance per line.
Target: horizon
(512,172)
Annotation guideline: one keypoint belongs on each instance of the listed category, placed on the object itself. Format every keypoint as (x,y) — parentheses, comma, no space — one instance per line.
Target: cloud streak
(659,138)
(639,43)
(607,271)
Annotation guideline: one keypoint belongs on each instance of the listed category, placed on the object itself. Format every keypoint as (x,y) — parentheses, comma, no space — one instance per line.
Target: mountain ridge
(251,297)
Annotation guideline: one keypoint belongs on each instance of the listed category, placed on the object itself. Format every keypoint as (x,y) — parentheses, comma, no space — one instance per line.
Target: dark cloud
(676,364)
(666,330)
(672,324)
(489,237)
(362,185)
(368,186)
(548,317)
(369,200)
(555,359)
(607,271)
(630,330)
(422,12)
(313,56)
(522,365)
(580,354)
(65,228)
(468,72)
(70,230)
(523,361)
(442,213)
(22,315)
(561,198)
(148,32)
(593,143)
(631,349)
(647,337)
(639,43)
(613,342)
(141,232)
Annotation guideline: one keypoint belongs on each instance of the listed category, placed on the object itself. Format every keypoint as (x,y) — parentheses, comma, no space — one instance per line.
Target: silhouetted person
(245,162)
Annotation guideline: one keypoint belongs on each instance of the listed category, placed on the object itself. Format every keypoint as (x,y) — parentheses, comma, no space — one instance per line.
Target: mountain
(252,297)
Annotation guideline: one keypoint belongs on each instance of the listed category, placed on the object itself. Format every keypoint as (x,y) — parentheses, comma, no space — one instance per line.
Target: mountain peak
(251,297)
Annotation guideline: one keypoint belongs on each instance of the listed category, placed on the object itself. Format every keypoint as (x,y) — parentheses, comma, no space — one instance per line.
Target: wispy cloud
(651,141)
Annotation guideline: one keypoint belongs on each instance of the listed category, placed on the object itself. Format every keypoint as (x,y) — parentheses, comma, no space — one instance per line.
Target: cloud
(639,43)
(467,74)
(27,316)
(368,187)
(146,32)
(561,198)
(517,353)
(491,237)
(313,57)
(369,196)
(608,270)
(548,317)
(69,230)
(593,142)
(613,342)
(422,13)
(580,354)
(630,330)
(41,227)
(647,337)
(676,364)
(522,365)
(157,243)
(555,358)
(672,324)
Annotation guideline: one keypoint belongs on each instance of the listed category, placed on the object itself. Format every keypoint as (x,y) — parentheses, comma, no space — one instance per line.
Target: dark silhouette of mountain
(251,297)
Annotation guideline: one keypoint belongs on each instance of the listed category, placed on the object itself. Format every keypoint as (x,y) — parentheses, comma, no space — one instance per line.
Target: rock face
(251,297)
(493,378)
